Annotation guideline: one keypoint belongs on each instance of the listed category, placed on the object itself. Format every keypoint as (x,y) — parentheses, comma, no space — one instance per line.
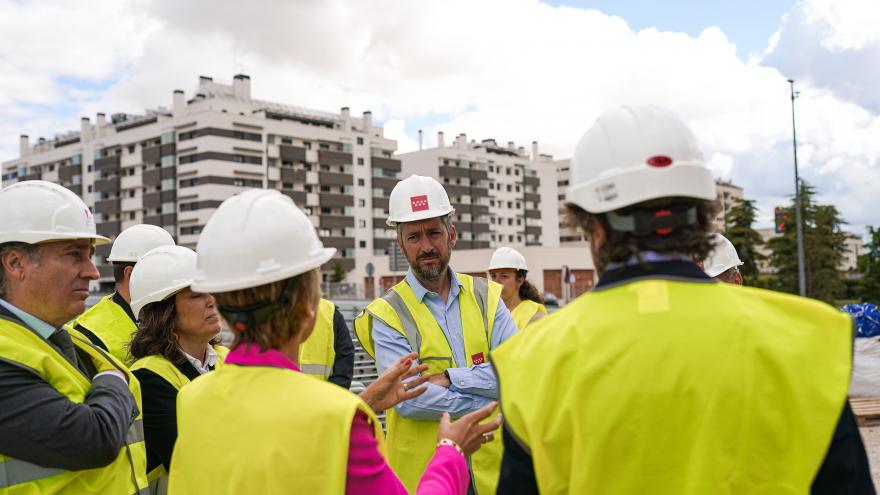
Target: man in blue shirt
(452,320)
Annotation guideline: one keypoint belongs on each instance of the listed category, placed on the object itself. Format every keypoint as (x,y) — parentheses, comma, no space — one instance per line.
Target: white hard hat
(256,238)
(722,258)
(507,257)
(35,211)
(161,273)
(136,241)
(635,154)
(417,198)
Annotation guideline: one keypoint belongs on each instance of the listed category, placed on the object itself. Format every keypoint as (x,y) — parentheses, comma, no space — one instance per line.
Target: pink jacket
(368,473)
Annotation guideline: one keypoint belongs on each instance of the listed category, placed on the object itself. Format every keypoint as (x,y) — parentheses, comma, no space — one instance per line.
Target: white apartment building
(728,194)
(502,195)
(173,166)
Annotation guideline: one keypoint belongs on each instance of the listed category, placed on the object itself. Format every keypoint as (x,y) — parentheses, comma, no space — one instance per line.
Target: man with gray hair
(69,412)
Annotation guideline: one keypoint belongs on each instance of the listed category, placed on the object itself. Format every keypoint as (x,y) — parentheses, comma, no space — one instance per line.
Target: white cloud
(513,70)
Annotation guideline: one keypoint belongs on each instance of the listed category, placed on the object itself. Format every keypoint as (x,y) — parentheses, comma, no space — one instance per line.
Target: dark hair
(304,291)
(693,241)
(30,250)
(119,270)
(155,334)
(527,291)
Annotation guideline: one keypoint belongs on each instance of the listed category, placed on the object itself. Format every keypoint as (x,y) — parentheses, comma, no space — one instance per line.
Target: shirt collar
(251,355)
(670,269)
(208,365)
(420,291)
(42,328)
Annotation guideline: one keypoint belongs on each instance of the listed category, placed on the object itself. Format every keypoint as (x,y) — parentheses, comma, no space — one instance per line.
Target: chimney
(511,145)
(461,141)
(368,122)
(41,144)
(178,102)
(440,142)
(85,129)
(420,140)
(345,112)
(241,86)
(101,120)
(24,146)
(534,151)
(205,82)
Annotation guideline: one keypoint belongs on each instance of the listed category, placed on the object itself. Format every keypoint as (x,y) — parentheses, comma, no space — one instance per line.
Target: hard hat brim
(137,306)
(420,215)
(204,283)
(36,237)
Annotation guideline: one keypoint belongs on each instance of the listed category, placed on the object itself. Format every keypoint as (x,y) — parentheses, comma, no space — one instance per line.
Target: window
(516,172)
(323,146)
(519,221)
(362,202)
(360,140)
(270,139)
(131,215)
(517,188)
(360,161)
(362,224)
(362,244)
(238,182)
(131,193)
(509,188)
(130,149)
(507,171)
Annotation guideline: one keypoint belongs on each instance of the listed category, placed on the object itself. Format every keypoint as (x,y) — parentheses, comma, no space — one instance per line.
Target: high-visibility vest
(158,364)
(110,323)
(672,387)
(317,354)
(412,442)
(125,475)
(280,432)
(523,313)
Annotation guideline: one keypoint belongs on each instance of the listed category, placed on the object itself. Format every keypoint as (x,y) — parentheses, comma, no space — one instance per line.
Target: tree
(745,239)
(824,250)
(338,274)
(869,265)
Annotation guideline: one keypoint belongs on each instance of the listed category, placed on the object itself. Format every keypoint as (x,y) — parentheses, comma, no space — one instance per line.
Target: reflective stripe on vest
(318,353)
(276,414)
(523,313)
(411,443)
(126,474)
(673,387)
(110,323)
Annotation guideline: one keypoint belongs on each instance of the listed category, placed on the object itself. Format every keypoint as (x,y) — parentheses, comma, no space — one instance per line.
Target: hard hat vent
(659,161)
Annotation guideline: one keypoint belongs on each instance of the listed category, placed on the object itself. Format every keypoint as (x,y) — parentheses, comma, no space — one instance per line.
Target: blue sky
(748,23)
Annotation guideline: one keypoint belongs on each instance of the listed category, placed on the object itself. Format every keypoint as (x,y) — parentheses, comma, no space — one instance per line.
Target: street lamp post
(802,282)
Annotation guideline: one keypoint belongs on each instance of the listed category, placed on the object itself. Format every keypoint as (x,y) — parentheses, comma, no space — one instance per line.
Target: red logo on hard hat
(478,358)
(419,203)
(659,161)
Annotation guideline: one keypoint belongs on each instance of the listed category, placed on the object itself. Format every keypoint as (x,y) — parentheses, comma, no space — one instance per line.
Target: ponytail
(527,291)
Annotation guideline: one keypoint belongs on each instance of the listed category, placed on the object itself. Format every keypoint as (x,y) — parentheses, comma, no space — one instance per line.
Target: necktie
(62,340)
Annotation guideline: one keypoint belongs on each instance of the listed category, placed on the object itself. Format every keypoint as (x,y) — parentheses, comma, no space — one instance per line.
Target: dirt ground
(871,437)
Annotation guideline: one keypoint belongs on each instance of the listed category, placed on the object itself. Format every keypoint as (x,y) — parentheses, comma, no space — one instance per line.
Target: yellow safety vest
(412,442)
(125,475)
(158,364)
(523,313)
(672,387)
(282,432)
(110,323)
(317,354)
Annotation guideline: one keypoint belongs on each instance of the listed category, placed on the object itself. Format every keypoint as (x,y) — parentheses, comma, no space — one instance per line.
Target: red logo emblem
(659,161)
(419,203)
(478,358)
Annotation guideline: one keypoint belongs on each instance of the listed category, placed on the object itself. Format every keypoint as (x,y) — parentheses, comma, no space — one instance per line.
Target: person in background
(723,262)
(508,268)
(282,431)
(328,354)
(111,323)
(176,342)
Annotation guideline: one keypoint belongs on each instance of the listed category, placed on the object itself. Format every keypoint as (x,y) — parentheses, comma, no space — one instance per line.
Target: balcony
(151,155)
(347,264)
(335,179)
(385,182)
(330,200)
(35,176)
(292,153)
(479,175)
(107,206)
(530,230)
(105,271)
(532,197)
(454,172)
(167,219)
(108,164)
(336,221)
(533,213)
(298,197)
(479,228)
(382,244)
(152,177)
(479,192)
(386,163)
(326,157)
(531,181)
(154,200)
(110,185)
(109,229)
(338,242)
(66,173)
(380,202)
(290,175)
(457,190)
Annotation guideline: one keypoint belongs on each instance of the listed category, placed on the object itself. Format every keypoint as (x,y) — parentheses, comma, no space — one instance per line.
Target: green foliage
(824,250)
(869,264)
(745,239)
(338,274)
